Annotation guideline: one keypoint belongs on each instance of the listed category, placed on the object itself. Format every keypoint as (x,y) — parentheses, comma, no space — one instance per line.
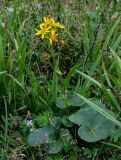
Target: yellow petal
(50,41)
(59,25)
(52,21)
(42,36)
(45,19)
(48,28)
(41,25)
(52,32)
(38,32)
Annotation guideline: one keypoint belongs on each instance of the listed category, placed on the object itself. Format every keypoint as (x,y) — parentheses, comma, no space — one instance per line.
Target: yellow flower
(49,29)
(43,30)
(59,25)
(47,21)
(41,25)
(53,37)
(56,24)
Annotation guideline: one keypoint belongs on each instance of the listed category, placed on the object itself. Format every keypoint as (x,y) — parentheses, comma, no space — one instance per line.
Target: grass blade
(70,74)
(110,35)
(17,82)
(107,93)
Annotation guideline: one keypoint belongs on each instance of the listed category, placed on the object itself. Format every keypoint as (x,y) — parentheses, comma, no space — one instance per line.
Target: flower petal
(50,41)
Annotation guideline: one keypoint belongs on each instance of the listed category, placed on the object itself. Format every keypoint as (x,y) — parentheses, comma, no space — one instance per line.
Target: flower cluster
(49,30)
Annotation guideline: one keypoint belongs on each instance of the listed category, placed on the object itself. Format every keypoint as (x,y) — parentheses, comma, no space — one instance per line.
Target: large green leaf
(41,136)
(70,99)
(55,122)
(102,111)
(55,147)
(74,100)
(95,132)
(66,122)
(60,102)
(94,126)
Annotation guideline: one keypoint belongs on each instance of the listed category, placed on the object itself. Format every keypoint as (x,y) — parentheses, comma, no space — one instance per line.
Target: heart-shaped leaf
(94,126)
(60,102)
(55,122)
(55,147)
(66,122)
(41,136)
(74,100)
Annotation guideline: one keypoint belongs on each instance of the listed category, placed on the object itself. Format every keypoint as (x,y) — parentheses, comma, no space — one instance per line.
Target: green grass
(87,69)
